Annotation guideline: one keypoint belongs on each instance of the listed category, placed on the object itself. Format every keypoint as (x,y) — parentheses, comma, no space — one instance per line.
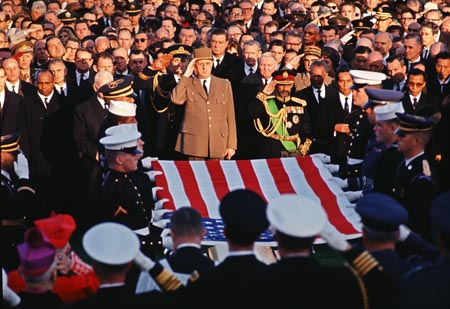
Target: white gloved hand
(347,37)
(154,191)
(167,242)
(21,167)
(147,162)
(153,174)
(332,168)
(335,239)
(326,159)
(404,232)
(342,183)
(143,262)
(10,298)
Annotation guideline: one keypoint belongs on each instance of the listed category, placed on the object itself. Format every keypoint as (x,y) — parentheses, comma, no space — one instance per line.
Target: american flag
(202,184)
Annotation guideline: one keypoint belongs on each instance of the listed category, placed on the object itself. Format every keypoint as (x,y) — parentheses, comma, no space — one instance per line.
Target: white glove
(167,242)
(347,37)
(404,232)
(322,157)
(332,168)
(353,195)
(10,298)
(147,162)
(342,183)
(21,167)
(334,238)
(153,174)
(143,262)
(154,191)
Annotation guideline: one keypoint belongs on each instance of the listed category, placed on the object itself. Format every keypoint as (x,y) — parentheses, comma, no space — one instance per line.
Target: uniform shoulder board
(299,101)
(143,76)
(426,168)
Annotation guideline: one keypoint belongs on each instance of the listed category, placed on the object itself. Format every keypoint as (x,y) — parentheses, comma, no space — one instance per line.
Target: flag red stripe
(326,196)
(161,181)
(191,187)
(218,178)
(249,177)
(280,176)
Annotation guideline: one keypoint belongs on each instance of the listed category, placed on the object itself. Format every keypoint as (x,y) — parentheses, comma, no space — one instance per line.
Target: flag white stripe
(175,184)
(232,175)
(206,188)
(298,179)
(265,179)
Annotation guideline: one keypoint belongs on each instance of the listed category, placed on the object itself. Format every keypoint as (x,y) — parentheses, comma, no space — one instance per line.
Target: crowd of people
(93,91)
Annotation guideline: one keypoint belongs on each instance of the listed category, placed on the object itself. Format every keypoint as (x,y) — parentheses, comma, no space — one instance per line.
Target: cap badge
(115,83)
(285,74)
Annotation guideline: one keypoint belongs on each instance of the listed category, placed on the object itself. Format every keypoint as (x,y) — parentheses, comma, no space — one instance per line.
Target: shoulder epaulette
(262,96)
(299,101)
(143,76)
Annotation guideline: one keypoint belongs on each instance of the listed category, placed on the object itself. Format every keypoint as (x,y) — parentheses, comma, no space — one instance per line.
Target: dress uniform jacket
(296,121)
(415,189)
(9,113)
(17,212)
(209,126)
(316,286)
(386,169)
(127,199)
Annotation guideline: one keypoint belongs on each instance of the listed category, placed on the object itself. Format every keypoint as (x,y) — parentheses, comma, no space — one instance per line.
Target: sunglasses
(140,40)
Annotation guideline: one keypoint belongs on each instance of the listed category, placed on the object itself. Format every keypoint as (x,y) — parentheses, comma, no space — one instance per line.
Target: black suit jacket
(31,122)
(229,68)
(9,113)
(313,106)
(426,100)
(26,89)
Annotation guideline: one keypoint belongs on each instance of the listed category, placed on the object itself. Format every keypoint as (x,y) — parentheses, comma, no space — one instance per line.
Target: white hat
(122,108)
(122,137)
(296,215)
(387,111)
(430,6)
(367,77)
(111,243)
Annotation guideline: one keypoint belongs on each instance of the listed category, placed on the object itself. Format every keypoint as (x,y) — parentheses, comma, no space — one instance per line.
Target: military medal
(295,119)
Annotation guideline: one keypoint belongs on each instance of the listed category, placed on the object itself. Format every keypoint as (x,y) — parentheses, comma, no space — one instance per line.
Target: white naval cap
(111,243)
(122,137)
(387,111)
(362,78)
(296,215)
(122,108)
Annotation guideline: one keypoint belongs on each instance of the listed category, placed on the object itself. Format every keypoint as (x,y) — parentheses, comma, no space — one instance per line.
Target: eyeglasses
(140,40)
(235,14)
(432,19)
(83,59)
(107,4)
(90,20)
(149,10)
(246,9)
(415,84)
(141,61)
(332,7)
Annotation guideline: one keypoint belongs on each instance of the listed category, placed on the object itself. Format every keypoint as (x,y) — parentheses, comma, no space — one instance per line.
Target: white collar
(408,161)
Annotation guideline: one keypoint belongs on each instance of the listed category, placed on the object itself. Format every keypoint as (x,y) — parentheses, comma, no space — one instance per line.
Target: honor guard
(126,192)
(415,184)
(17,197)
(281,118)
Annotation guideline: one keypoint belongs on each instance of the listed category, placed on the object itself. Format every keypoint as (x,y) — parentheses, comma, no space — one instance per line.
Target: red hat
(36,254)
(57,228)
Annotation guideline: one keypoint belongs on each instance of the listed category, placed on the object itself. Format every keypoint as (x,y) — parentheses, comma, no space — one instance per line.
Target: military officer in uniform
(415,182)
(17,197)
(127,191)
(281,118)
(166,116)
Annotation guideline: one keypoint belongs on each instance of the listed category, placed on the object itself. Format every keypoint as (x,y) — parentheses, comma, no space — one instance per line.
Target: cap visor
(400,133)
(357,86)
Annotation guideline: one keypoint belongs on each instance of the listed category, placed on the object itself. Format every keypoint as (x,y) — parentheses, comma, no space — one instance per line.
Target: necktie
(265,82)
(204,87)
(46,102)
(425,53)
(318,95)
(250,70)
(217,63)
(397,85)
(82,79)
(346,107)
(61,91)
(13,89)
(415,103)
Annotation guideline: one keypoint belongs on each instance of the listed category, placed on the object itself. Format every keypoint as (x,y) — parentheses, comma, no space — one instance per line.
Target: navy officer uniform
(429,287)
(415,183)
(282,119)
(387,163)
(127,192)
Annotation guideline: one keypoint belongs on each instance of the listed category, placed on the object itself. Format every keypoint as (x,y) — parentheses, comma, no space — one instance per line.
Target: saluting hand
(270,88)
(190,68)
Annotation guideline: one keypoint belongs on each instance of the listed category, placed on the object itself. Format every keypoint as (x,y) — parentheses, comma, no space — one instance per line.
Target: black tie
(61,91)
(251,71)
(217,63)
(83,79)
(415,103)
(346,108)
(265,82)
(46,102)
(318,95)
(204,87)
(398,87)
(13,89)
(425,54)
